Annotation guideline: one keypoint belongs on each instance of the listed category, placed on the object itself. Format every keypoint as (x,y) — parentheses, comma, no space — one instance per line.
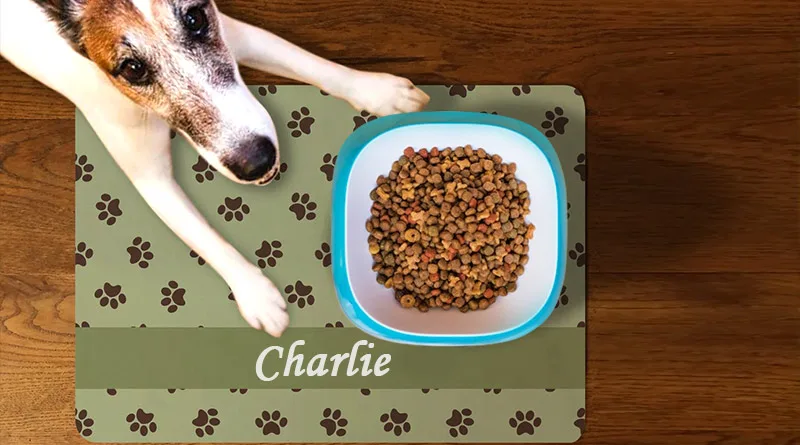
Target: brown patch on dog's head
(170,56)
(156,60)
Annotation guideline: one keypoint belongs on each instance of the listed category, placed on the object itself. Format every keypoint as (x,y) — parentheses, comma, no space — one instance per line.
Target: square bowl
(370,152)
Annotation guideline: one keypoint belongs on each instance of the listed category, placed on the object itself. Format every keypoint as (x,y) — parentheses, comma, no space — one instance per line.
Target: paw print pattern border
(195,296)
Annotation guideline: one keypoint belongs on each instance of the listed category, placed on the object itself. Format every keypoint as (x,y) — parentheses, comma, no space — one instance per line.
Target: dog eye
(195,20)
(133,71)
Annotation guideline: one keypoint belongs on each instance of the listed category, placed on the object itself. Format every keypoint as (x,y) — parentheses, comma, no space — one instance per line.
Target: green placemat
(162,354)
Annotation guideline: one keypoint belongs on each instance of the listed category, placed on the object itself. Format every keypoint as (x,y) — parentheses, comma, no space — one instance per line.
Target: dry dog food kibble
(448,228)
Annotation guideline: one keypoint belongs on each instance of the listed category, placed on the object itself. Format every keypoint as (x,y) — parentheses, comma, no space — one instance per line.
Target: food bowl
(370,152)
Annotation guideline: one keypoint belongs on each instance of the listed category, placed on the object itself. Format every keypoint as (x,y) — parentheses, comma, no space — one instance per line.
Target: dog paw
(384,94)
(261,303)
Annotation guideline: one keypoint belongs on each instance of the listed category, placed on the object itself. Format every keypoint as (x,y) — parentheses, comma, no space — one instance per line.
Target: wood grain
(694,220)
(689,58)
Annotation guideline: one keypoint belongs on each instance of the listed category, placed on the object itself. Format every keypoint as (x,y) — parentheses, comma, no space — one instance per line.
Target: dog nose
(253,159)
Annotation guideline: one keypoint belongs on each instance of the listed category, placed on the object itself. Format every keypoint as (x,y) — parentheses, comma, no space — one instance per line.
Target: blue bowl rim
(348,153)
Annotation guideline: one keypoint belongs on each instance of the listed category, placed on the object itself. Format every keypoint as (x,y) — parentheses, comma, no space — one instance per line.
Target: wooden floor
(694,221)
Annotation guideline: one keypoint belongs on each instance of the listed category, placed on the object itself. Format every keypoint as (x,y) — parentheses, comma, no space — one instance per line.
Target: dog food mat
(162,354)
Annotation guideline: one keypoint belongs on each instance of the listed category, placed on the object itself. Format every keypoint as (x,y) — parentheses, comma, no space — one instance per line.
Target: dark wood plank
(667,194)
(727,437)
(37,177)
(670,350)
(703,357)
(668,58)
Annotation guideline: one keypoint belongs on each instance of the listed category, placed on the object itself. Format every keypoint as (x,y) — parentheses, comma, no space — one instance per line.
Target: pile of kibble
(448,228)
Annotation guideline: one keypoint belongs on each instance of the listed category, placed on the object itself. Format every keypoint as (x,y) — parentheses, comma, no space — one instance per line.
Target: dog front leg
(259,301)
(378,93)
(139,143)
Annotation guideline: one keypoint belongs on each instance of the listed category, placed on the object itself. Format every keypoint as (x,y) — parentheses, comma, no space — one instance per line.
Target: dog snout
(253,159)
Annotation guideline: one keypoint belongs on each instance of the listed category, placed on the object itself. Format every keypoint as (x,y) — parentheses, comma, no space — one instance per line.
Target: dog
(138,68)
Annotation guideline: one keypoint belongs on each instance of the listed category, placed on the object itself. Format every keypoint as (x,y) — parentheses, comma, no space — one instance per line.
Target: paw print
(362,119)
(580,168)
(563,299)
(139,252)
(109,209)
(83,423)
(200,259)
(555,122)
(328,164)
(580,422)
(205,172)
(233,208)
(299,293)
(337,324)
(524,423)
(333,422)
(269,253)
(460,90)
(110,295)
(205,422)
(82,254)
(83,169)
(303,207)
(142,421)
(301,122)
(174,296)
(494,391)
(520,90)
(271,423)
(282,169)
(459,422)
(396,422)
(578,255)
(324,254)
(239,390)
(269,89)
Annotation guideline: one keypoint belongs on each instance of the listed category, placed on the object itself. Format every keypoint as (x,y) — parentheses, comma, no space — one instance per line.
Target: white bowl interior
(533,287)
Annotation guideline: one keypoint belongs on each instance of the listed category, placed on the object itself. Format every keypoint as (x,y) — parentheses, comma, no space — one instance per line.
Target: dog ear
(68,15)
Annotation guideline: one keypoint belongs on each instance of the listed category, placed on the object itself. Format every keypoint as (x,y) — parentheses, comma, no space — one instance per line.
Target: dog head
(170,56)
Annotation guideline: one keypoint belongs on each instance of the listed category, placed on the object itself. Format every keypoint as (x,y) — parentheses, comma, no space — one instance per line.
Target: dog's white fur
(139,141)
